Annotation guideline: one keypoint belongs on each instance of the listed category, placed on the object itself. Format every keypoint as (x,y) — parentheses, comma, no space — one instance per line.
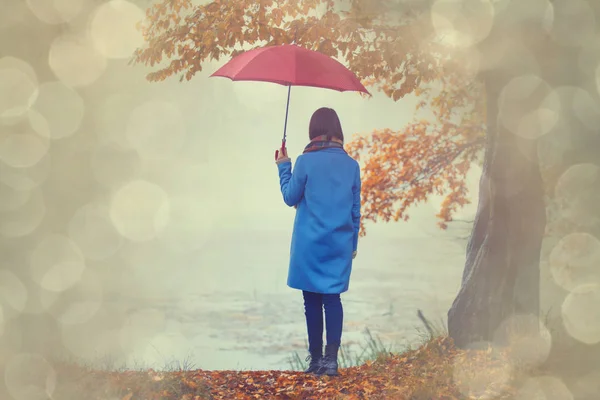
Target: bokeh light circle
(17,92)
(55,11)
(580,313)
(462,23)
(24,220)
(576,25)
(25,179)
(9,62)
(59,110)
(29,376)
(527,339)
(573,191)
(536,16)
(575,260)
(22,149)
(598,77)
(589,56)
(11,199)
(75,61)
(586,108)
(547,15)
(140,210)
(515,104)
(11,342)
(113,28)
(94,233)
(12,291)
(18,88)
(1,320)
(56,263)
(80,303)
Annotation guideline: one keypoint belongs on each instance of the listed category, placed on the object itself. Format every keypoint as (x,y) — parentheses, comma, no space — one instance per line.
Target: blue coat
(325,187)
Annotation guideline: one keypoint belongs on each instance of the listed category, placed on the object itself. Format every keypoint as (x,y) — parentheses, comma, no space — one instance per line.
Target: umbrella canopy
(291,65)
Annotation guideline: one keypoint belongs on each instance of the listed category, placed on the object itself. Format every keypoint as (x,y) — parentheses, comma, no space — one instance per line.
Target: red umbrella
(291,65)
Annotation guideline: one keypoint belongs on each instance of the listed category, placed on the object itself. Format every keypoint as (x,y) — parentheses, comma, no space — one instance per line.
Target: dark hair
(325,121)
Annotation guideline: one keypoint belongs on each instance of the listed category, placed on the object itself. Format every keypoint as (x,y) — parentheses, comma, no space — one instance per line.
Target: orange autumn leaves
(405,169)
(392,50)
(428,157)
(437,370)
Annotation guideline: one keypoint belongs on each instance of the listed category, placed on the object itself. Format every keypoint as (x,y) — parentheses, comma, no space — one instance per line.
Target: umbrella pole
(287,107)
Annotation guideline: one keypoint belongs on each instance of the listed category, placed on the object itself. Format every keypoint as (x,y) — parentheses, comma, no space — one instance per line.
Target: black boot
(329,364)
(315,358)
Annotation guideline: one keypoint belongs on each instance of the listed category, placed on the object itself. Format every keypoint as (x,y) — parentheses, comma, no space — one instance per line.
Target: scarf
(323,142)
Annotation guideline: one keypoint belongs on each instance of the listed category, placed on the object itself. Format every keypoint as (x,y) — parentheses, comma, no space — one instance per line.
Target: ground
(436,370)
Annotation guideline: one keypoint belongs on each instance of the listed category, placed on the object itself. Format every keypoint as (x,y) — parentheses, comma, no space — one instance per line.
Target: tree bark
(503,251)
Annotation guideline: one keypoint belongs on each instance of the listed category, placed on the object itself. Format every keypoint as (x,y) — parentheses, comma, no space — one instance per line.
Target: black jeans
(314,303)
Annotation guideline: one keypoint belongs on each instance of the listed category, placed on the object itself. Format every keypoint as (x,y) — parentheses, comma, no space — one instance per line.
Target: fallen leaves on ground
(435,371)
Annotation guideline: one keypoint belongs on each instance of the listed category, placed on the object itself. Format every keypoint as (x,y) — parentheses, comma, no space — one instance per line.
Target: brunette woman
(324,187)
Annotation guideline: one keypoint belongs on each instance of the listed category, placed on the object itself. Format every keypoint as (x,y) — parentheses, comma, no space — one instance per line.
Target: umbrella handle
(281,149)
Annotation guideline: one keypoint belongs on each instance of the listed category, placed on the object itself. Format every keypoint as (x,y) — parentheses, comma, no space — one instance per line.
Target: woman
(325,190)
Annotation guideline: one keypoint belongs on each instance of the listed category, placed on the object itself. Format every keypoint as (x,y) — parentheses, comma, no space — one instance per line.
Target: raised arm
(292,184)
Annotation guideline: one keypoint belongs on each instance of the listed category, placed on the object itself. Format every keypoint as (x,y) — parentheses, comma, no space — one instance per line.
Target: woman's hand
(281,154)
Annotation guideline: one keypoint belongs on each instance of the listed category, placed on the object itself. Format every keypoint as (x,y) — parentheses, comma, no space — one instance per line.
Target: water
(233,310)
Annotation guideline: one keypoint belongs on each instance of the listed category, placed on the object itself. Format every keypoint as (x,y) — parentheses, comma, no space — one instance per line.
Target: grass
(370,351)
(373,348)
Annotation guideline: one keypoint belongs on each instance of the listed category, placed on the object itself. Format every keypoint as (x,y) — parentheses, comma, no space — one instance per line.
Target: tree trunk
(504,249)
